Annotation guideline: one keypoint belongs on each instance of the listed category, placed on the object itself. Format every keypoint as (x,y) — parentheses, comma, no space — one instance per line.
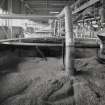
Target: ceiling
(47,7)
(38,7)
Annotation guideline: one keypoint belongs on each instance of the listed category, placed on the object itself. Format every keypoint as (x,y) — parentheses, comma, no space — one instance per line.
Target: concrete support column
(69,42)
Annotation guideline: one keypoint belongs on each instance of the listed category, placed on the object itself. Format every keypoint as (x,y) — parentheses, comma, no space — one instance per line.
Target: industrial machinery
(101,52)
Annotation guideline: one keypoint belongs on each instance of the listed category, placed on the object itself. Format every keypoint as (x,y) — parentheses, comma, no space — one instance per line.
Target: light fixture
(54,12)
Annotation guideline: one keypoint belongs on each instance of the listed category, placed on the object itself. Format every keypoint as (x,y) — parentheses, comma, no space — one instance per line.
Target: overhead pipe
(24,16)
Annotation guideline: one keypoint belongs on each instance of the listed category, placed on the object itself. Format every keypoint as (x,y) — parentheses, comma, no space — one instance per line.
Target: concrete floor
(35,81)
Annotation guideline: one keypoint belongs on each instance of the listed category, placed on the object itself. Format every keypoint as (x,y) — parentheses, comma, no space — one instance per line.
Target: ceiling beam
(84,6)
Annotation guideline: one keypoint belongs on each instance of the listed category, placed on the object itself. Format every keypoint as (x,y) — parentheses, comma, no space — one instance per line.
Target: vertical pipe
(58,26)
(10,6)
(69,59)
(54,28)
(10,12)
(22,7)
